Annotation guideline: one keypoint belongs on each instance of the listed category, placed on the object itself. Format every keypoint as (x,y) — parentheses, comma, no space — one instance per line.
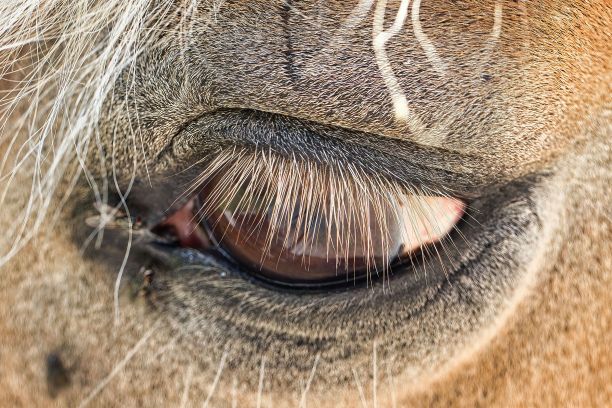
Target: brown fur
(536,101)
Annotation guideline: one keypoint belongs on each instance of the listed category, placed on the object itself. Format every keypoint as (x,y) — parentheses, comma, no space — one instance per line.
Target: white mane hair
(59,60)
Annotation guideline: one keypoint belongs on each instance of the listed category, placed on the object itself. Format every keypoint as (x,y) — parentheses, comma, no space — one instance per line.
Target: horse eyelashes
(298,221)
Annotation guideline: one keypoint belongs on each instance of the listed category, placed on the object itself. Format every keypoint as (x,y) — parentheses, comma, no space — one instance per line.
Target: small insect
(113,218)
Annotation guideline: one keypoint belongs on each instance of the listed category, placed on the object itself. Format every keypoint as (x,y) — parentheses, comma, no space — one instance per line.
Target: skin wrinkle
(380,37)
(358,14)
(527,321)
(401,108)
(290,66)
(495,33)
(426,44)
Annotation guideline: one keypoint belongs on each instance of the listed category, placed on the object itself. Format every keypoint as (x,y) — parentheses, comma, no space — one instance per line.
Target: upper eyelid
(403,162)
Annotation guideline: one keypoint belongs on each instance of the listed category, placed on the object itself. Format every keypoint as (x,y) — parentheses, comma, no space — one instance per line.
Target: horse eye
(326,247)
(312,236)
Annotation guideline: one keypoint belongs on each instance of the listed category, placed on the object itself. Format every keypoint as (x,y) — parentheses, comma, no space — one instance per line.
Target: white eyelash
(344,194)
